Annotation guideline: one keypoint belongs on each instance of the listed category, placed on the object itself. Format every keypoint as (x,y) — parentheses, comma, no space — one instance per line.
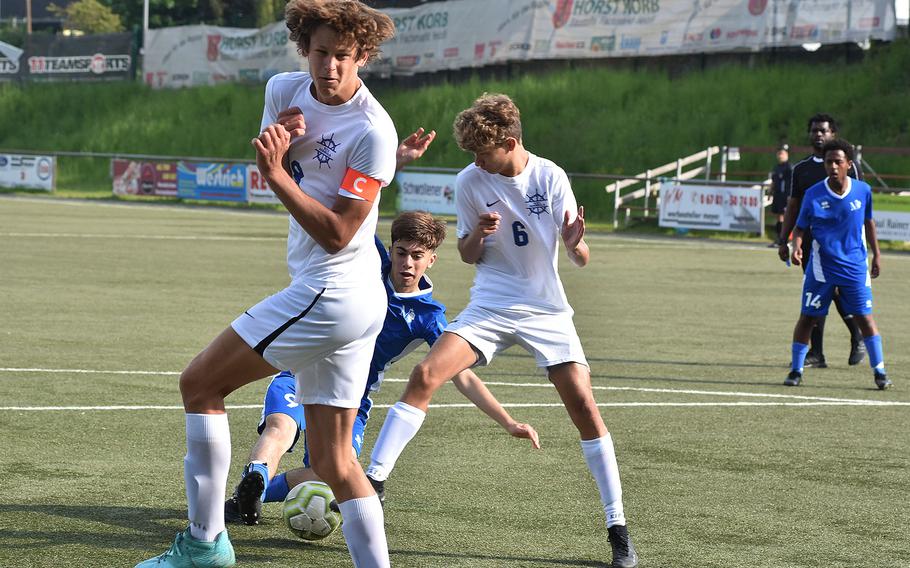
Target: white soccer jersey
(518,267)
(356,135)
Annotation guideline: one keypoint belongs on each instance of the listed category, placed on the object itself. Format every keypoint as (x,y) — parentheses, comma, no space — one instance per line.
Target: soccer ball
(306,511)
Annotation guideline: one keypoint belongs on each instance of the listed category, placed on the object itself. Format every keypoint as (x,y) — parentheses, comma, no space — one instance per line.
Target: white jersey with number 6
(518,267)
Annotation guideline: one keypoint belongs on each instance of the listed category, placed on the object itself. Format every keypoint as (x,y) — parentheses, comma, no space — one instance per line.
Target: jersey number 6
(521,237)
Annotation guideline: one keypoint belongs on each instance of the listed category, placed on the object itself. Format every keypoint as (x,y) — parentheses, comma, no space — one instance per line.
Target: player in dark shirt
(780,190)
(808,172)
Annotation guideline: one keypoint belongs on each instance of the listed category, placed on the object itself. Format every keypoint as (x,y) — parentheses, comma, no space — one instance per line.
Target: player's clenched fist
(271,146)
(488,223)
(292,121)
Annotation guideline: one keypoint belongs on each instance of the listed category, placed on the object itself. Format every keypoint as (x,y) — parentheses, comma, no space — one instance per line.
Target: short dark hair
(419,227)
(839,144)
(822,117)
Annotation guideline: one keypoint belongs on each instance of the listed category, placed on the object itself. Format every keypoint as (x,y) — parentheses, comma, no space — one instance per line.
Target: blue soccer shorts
(280,399)
(855,297)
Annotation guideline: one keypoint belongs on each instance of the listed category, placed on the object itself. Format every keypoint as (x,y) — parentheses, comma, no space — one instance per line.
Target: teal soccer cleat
(188,552)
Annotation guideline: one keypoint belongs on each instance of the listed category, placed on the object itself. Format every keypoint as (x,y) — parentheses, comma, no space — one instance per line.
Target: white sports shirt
(518,267)
(356,135)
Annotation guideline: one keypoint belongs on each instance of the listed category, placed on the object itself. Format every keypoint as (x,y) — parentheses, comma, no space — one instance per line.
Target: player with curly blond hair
(513,209)
(323,326)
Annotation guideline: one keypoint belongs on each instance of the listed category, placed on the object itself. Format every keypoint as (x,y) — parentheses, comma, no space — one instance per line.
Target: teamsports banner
(472,33)
(100,57)
(131,177)
(428,192)
(28,172)
(211,181)
(891,225)
(711,207)
(185,56)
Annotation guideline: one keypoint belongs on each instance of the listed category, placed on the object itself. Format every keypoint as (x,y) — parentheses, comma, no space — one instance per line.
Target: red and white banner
(711,207)
(472,33)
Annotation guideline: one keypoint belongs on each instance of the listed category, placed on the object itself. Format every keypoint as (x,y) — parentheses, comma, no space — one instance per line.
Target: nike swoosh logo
(494,203)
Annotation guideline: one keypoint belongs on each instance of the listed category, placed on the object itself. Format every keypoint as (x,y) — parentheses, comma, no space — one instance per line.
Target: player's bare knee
(423,381)
(333,471)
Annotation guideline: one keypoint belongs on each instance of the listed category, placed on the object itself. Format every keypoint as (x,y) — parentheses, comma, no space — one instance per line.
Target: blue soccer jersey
(837,223)
(411,319)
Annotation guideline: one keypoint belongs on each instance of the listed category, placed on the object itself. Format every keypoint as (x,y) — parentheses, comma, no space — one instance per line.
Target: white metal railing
(648,183)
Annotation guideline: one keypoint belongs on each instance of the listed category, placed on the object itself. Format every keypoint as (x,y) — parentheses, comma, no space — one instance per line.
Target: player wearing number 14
(838,211)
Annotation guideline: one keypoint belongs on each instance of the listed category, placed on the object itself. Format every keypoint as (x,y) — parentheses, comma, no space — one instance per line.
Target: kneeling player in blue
(413,317)
(838,211)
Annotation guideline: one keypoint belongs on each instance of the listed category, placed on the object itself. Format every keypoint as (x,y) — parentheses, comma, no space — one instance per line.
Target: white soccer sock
(601,460)
(401,424)
(364,532)
(205,470)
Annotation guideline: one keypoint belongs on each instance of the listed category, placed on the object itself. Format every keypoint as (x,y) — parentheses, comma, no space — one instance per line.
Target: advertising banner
(429,192)
(144,178)
(101,57)
(186,56)
(258,191)
(472,33)
(891,225)
(211,181)
(715,208)
(28,172)
(9,60)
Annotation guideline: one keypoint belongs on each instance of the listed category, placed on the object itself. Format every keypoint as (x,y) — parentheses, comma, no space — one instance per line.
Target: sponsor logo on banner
(541,45)
(716,33)
(892,225)
(35,172)
(695,206)
(570,44)
(8,66)
(208,181)
(450,52)
(603,43)
(562,13)
(520,47)
(479,49)
(429,192)
(96,64)
(868,23)
(757,7)
(804,32)
(257,188)
(214,47)
(407,60)
(632,43)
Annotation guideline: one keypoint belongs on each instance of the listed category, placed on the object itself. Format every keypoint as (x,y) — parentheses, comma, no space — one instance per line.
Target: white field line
(793,399)
(142,237)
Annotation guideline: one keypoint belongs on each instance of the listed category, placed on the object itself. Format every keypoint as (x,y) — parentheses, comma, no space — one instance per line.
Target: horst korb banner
(429,192)
(716,208)
(472,33)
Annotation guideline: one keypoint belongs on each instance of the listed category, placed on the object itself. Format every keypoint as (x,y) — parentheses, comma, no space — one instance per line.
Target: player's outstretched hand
(292,121)
(413,147)
(525,431)
(783,251)
(573,232)
(488,223)
(271,146)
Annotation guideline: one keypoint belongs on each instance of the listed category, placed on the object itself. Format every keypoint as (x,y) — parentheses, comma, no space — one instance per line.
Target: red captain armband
(359,186)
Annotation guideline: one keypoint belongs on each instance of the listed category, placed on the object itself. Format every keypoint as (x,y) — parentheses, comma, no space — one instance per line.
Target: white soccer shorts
(325,336)
(551,338)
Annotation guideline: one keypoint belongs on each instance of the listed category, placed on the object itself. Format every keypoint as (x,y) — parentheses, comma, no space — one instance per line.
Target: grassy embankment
(591,121)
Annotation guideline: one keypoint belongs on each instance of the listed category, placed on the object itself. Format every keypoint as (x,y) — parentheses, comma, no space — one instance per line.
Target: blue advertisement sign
(211,181)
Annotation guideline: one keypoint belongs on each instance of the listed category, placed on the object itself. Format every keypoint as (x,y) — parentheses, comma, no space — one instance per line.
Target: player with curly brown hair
(323,326)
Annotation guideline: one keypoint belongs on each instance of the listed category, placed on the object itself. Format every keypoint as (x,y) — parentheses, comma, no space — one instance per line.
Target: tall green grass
(587,120)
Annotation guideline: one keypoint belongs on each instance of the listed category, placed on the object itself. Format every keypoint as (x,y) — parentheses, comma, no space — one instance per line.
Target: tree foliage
(89,16)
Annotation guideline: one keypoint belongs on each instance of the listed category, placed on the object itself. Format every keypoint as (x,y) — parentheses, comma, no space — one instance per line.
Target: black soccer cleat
(232,511)
(379,488)
(624,555)
(882,381)
(857,352)
(793,379)
(816,360)
(249,497)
